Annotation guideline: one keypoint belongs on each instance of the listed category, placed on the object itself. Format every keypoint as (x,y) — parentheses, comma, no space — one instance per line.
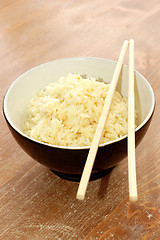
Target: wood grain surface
(36,204)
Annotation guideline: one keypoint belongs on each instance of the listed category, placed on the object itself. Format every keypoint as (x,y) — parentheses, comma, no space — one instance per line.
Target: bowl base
(77,177)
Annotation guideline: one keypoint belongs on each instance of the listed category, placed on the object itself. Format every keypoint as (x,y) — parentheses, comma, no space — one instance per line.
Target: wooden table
(36,204)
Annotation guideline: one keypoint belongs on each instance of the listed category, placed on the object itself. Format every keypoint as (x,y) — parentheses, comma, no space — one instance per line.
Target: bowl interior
(23,89)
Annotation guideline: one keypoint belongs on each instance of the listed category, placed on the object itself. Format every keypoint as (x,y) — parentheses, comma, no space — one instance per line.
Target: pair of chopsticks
(100,126)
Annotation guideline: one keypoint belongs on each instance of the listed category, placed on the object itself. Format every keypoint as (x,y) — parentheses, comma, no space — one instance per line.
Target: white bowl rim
(72,147)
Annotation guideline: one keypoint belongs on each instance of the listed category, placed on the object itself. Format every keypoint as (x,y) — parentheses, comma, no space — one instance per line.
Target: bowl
(68,162)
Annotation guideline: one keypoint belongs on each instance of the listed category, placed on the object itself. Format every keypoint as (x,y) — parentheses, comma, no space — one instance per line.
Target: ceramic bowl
(68,162)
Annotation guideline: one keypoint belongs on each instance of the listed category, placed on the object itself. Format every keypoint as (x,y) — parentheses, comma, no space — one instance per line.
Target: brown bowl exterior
(71,161)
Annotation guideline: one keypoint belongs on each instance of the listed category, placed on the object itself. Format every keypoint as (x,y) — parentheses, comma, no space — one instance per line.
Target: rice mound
(66,112)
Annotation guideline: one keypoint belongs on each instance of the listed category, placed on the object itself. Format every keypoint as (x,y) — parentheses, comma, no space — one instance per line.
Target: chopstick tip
(131,40)
(126,41)
(80,196)
(133,198)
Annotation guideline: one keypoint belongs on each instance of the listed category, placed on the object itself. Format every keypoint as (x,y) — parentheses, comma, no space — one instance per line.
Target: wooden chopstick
(131,128)
(96,139)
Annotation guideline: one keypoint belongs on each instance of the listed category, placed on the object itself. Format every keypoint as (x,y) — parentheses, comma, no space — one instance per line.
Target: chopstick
(96,139)
(131,128)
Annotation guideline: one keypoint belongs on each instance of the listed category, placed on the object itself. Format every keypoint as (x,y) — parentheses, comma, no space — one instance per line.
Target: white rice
(66,112)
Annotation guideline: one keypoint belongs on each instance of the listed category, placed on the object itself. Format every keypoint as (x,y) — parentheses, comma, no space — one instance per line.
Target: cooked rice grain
(66,112)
